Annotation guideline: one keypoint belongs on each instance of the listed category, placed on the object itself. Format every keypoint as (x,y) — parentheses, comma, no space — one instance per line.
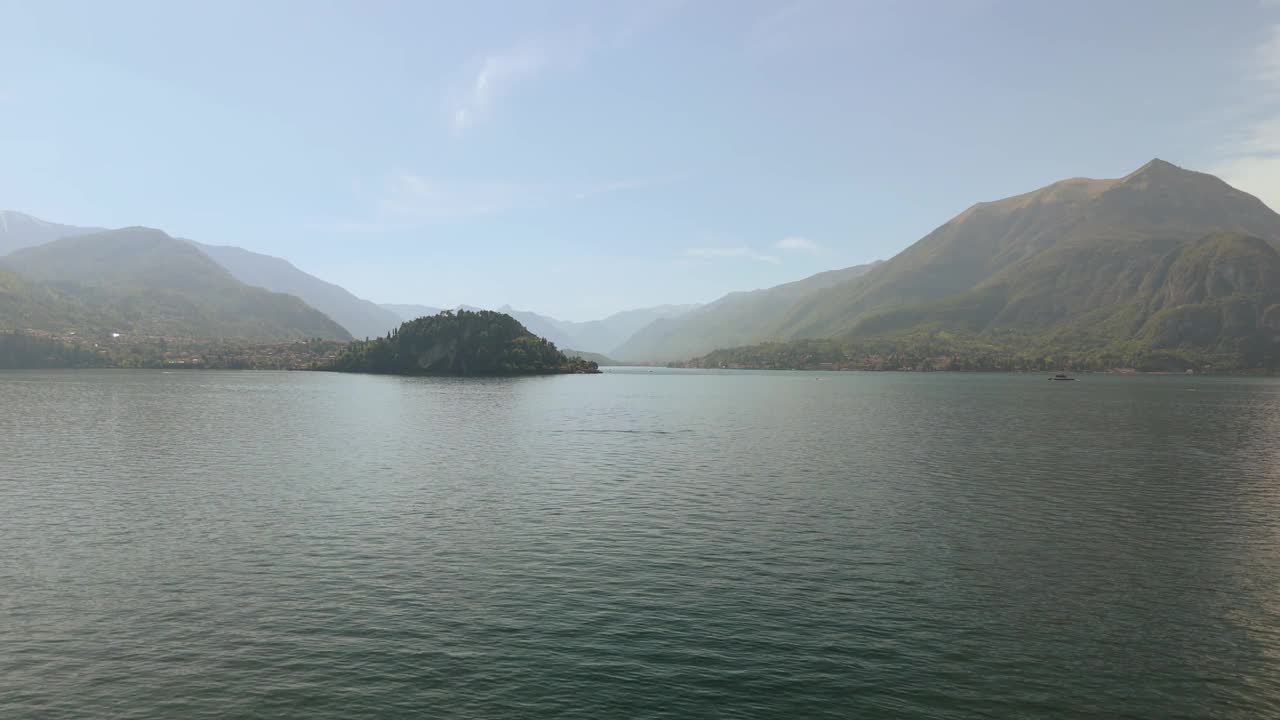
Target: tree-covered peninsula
(459,343)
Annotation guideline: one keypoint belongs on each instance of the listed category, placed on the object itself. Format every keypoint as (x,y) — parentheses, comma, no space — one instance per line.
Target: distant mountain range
(739,318)
(596,336)
(1163,263)
(1163,260)
(18,231)
(144,282)
(411,312)
(361,318)
(591,337)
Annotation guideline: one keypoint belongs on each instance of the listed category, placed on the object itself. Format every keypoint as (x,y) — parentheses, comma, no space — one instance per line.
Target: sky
(581,158)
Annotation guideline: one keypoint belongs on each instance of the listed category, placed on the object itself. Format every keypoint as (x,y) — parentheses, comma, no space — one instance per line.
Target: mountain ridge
(1080,268)
(143,281)
(361,318)
(737,318)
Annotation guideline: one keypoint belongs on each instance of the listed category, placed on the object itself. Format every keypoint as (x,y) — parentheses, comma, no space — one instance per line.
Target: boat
(1062,377)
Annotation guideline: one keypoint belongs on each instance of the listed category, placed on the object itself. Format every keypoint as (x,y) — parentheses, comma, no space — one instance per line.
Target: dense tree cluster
(459,343)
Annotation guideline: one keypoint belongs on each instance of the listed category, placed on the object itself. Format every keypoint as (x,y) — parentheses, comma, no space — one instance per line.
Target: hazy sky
(581,158)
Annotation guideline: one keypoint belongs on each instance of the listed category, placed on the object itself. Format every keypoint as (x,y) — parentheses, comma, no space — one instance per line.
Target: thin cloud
(1251,160)
(497,75)
(486,81)
(797,244)
(745,253)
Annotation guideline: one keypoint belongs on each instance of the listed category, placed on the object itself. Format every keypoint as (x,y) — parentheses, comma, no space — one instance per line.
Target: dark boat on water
(1063,377)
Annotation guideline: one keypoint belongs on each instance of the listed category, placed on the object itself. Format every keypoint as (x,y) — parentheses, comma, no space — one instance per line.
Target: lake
(638,544)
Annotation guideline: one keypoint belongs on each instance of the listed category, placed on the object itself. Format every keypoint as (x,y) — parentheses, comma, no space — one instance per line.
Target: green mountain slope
(28,305)
(1164,268)
(736,319)
(1041,256)
(462,343)
(360,317)
(1213,302)
(142,281)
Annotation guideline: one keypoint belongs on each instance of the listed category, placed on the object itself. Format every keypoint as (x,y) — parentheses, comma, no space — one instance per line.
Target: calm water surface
(638,545)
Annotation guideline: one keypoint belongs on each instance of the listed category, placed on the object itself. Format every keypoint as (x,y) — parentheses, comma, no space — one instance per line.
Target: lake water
(667,544)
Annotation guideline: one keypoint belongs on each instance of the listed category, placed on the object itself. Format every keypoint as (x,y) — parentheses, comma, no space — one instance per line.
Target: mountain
(1056,251)
(597,358)
(18,231)
(462,343)
(604,336)
(411,312)
(362,318)
(142,281)
(597,336)
(1210,303)
(593,336)
(559,332)
(739,318)
(1163,268)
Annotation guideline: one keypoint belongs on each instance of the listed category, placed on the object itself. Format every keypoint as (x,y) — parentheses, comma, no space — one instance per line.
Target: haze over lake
(645,544)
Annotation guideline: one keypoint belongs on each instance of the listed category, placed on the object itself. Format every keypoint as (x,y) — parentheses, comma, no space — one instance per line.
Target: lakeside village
(41,349)
(33,348)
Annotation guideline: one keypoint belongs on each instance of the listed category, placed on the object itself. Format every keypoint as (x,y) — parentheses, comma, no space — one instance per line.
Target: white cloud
(796,244)
(483,83)
(495,77)
(488,80)
(1251,160)
(731,252)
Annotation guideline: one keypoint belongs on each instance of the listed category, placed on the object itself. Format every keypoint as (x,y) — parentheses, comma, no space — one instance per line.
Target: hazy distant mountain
(18,231)
(143,281)
(410,312)
(1163,260)
(361,318)
(557,331)
(739,318)
(596,336)
(593,336)
(597,358)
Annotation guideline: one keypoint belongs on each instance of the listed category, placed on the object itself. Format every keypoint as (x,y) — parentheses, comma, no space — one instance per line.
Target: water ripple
(640,545)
